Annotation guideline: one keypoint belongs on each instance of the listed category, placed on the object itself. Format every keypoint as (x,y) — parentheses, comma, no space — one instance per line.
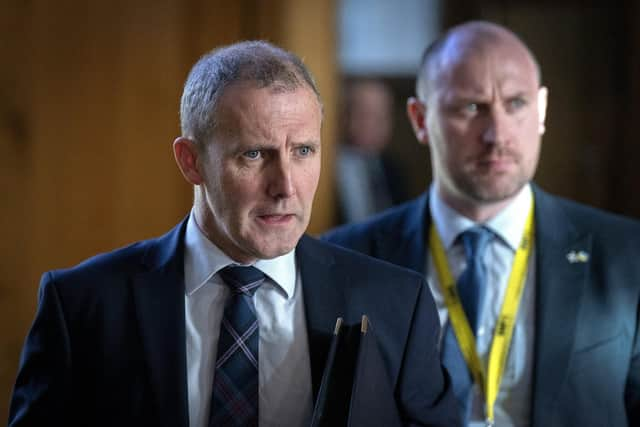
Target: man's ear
(186,154)
(543,93)
(416,110)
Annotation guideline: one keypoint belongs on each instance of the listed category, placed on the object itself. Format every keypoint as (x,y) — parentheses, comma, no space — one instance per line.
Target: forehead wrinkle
(241,116)
(256,123)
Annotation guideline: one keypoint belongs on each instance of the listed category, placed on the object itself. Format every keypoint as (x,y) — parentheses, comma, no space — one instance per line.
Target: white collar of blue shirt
(508,224)
(203,259)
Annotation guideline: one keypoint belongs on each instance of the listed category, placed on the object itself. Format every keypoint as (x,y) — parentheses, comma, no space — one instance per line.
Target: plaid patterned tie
(235,385)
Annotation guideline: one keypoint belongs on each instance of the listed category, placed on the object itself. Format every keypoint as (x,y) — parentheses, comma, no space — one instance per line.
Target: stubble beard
(491,189)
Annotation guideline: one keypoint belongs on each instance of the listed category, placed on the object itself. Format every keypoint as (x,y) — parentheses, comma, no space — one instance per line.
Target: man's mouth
(496,163)
(275,219)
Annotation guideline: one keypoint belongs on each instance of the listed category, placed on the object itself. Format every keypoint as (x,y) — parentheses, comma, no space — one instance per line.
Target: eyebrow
(307,142)
(474,95)
(268,146)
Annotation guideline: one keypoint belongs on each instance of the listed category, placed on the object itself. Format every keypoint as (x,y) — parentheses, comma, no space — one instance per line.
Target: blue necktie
(234,399)
(472,282)
(471,288)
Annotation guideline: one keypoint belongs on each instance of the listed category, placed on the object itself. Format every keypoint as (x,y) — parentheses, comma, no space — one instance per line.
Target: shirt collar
(508,224)
(203,259)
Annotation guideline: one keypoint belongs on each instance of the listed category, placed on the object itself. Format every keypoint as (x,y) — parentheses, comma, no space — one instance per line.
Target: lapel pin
(577,256)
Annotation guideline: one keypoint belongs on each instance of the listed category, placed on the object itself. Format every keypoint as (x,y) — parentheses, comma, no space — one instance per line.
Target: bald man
(538,296)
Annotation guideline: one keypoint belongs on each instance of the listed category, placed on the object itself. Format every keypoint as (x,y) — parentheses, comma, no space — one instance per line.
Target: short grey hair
(258,62)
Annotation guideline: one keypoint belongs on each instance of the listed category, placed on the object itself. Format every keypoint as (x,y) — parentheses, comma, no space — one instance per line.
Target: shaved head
(480,108)
(463,41)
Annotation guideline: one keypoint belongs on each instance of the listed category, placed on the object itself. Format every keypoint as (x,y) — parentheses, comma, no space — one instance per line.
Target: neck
(476,211)
(206,223)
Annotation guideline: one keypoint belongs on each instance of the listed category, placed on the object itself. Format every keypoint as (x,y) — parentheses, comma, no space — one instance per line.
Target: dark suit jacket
(587,339)
(393,178)
(107,347)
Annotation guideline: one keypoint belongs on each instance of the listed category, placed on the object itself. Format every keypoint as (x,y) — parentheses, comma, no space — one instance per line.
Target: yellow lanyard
(489,381)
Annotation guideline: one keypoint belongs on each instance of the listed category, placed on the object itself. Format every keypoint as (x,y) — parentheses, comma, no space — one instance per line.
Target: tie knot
(475,241)
(243,280)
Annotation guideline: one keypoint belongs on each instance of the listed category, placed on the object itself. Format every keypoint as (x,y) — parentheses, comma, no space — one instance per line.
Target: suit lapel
(560,282)
(323,301)
(405,243)
(159,301)
(559,286)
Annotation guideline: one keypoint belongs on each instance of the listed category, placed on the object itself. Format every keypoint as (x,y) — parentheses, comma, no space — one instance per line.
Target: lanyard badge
(488,378)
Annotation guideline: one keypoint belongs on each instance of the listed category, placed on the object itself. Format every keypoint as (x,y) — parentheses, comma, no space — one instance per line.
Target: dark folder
(355,390)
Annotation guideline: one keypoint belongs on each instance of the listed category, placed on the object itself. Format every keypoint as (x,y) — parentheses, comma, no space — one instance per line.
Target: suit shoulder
(92,283)
(359,235)
(600,221)
(611,234)
(104,272)
(127,260)
(357,261)
(124,258)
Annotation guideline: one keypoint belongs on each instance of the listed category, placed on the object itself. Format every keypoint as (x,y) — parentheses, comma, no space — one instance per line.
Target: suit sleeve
(422,375)
(42,388)
(352,236)
(632,392)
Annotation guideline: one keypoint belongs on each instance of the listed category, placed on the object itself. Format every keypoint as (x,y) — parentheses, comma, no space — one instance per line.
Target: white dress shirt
(284,367)
(364,189)
(513,404)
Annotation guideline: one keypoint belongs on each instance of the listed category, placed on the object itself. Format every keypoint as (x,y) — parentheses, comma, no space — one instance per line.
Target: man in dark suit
(227,319)
(368,180)
(566,273)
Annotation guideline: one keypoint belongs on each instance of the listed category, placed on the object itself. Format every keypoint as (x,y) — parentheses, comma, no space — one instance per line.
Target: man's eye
(516,103)
(305,151)
(471,107)
(252,154)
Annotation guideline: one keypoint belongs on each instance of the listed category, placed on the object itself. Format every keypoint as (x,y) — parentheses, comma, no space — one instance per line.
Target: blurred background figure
(367,180)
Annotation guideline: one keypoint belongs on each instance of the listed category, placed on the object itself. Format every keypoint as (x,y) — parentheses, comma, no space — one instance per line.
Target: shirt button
(481,331)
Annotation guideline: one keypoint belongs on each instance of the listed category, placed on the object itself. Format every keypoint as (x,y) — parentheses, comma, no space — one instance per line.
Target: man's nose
(281,179)
(497,129)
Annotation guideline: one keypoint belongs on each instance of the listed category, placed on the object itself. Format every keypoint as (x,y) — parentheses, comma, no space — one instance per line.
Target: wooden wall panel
(149,83)
(208,24)
(623,191)
(15,311)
